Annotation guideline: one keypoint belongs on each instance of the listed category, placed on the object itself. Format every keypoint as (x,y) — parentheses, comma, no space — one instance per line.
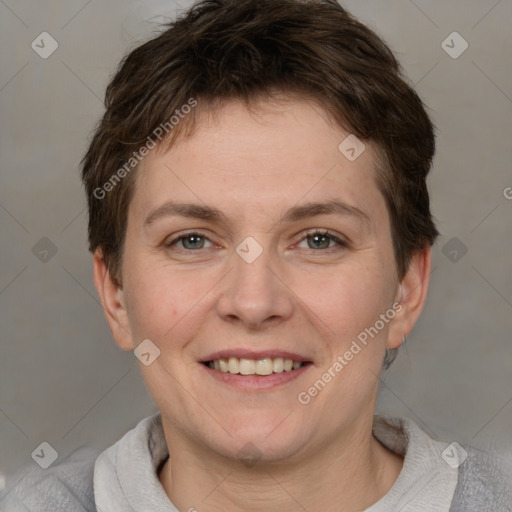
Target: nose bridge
(254,293)
(252,270)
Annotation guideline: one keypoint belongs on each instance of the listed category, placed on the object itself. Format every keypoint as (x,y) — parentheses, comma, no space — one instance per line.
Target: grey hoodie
(436,476)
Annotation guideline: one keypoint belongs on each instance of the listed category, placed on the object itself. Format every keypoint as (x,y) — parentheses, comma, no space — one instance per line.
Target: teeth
(234,365)
(278,365)
(245,366)
(264,366)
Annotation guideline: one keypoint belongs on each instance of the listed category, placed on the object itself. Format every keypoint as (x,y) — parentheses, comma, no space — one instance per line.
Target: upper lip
(254,354)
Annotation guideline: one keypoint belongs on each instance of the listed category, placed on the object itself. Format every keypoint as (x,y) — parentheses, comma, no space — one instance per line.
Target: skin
(191,302)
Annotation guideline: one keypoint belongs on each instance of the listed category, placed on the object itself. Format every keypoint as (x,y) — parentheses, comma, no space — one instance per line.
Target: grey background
(62,378)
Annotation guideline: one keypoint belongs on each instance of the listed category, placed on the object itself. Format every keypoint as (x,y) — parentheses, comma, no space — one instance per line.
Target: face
(250,243)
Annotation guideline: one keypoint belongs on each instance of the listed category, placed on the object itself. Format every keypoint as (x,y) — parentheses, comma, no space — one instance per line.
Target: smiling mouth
(266,366)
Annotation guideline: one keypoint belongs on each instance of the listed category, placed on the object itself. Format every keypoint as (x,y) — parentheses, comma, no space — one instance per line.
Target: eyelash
(322,232)
(341,244)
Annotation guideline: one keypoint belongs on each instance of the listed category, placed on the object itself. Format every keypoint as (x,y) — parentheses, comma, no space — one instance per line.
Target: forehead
(275,154)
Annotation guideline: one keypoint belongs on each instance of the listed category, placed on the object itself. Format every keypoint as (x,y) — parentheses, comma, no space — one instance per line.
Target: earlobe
(411,296)
(113,301)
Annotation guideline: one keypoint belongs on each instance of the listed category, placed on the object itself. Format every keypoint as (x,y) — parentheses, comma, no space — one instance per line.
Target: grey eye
(192,241)
(319,241)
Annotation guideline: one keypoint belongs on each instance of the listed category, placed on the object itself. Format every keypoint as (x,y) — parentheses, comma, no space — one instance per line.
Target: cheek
(162,301)
(348,299)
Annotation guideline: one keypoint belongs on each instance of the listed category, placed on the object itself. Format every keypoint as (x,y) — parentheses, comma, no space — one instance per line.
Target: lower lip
(256,382)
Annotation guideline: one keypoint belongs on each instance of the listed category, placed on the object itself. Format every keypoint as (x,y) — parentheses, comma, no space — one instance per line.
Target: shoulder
(483,477)
(484,483)
(64,487)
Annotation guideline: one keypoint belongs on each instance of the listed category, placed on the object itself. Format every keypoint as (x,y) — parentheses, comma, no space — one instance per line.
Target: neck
(351,473)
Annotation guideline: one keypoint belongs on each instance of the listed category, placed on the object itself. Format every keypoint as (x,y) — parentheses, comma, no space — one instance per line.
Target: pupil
(317,238)
(193,240)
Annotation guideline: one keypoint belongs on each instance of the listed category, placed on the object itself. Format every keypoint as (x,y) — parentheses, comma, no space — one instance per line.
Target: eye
(323,239)
(189,241)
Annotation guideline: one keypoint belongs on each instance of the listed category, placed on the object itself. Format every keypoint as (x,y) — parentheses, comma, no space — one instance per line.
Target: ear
(113,301)
(411,297)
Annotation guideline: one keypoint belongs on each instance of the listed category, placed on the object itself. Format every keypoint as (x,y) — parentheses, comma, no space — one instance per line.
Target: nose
(255,295)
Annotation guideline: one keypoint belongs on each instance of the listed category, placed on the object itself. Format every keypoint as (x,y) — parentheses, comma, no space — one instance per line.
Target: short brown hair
(252,49)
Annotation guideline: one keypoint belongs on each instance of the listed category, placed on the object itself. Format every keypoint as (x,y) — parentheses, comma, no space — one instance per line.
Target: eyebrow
(191,210)
(327,208)
(294,214)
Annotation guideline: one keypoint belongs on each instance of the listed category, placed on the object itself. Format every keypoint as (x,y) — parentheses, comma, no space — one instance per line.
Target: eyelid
(176,238)
(340,240)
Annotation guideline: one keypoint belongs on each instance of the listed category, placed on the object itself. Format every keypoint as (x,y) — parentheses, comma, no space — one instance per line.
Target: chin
(259,442)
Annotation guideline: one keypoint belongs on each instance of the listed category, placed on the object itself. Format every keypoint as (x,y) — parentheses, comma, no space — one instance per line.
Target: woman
(260,223)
